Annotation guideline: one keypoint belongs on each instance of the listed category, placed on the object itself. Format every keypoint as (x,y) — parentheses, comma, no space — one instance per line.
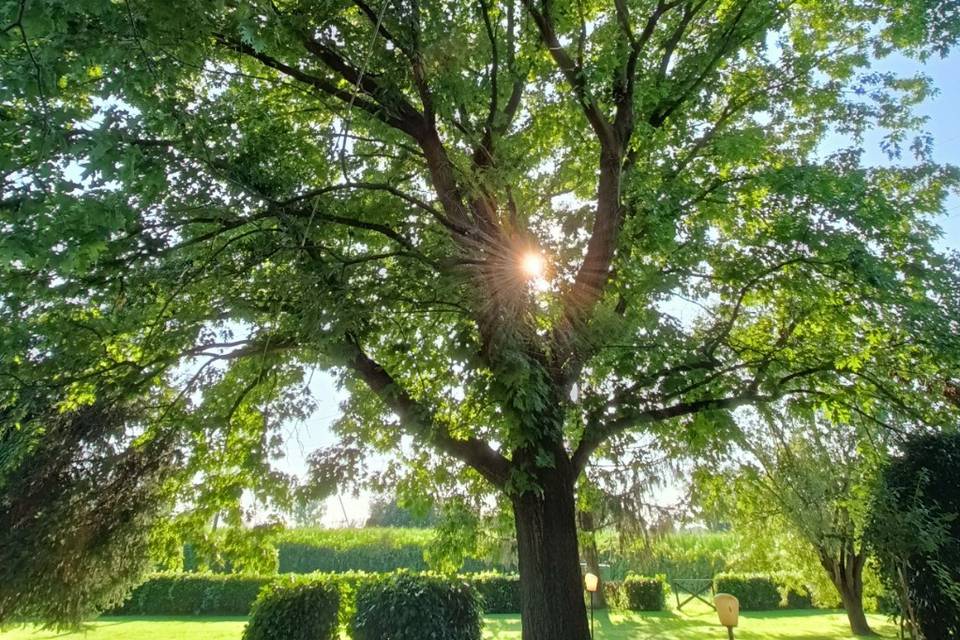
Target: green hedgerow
(178,594)
(500,592)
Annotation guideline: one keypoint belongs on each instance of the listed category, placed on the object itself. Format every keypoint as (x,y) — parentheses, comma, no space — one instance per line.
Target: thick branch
(406,121)
(420,421)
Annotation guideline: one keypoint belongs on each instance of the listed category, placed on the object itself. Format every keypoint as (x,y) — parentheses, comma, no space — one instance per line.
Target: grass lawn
(691,624)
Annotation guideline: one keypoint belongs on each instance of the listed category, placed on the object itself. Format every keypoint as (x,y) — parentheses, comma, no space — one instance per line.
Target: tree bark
(852,598)
(551,584)
(846,573)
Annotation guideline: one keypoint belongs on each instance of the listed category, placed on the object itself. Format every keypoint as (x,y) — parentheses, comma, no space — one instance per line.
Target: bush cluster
(296,608)
(500,592)
(762,592)
(406,606)
(184,594)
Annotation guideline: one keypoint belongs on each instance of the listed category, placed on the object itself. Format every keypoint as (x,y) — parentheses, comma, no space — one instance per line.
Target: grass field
(690,624)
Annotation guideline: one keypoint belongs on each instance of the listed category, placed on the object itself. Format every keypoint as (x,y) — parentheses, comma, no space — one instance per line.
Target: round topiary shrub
(295,608)
(406,606)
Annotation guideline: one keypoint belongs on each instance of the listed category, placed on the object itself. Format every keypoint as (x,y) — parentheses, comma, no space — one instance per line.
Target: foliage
(644,594)
(190,594)
(203,202)
(78,494)
(403,606)
(915,531)
(499,592)
(295,608)
(226,550)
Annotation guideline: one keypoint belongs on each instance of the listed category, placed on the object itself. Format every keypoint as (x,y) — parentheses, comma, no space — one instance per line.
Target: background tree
(85,500)
(915,530)
(481,219)
(803,487)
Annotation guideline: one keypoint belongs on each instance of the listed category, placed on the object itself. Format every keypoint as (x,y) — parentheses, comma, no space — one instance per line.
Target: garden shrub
(296,608)
(500,592)
(644,594)
(179,594)
(406,606)
(756,592)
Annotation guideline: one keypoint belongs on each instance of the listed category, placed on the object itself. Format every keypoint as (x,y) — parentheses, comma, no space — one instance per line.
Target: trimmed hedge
(186,594)
(298,557)
(372,550)
(761,592)
(406,606)
(500,592)
(296,608)
(643,594)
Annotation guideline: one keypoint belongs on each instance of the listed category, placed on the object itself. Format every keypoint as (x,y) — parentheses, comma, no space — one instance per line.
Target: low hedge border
(214,594)
(193,594)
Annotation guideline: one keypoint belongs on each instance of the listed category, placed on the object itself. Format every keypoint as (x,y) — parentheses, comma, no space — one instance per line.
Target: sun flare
(532,265)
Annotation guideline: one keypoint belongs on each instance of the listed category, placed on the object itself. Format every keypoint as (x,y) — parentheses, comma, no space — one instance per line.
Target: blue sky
(943,113)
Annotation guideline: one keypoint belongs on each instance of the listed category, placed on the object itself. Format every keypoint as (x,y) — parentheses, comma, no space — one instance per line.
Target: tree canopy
(517,231)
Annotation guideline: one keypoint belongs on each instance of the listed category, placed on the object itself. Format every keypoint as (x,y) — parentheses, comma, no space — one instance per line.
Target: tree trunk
(852,599)
(846,573)
(551,585)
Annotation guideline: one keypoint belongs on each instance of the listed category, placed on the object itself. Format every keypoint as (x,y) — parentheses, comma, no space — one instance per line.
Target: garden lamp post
(591,582)
(728,610)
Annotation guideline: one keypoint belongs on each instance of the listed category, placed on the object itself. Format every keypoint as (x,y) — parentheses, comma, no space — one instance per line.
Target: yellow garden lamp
(591,582)
(728,610)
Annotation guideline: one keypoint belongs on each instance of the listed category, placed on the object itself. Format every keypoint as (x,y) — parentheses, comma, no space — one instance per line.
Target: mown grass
(693,623)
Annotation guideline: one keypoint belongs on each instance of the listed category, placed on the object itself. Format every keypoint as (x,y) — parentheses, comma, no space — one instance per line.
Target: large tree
(494,221)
